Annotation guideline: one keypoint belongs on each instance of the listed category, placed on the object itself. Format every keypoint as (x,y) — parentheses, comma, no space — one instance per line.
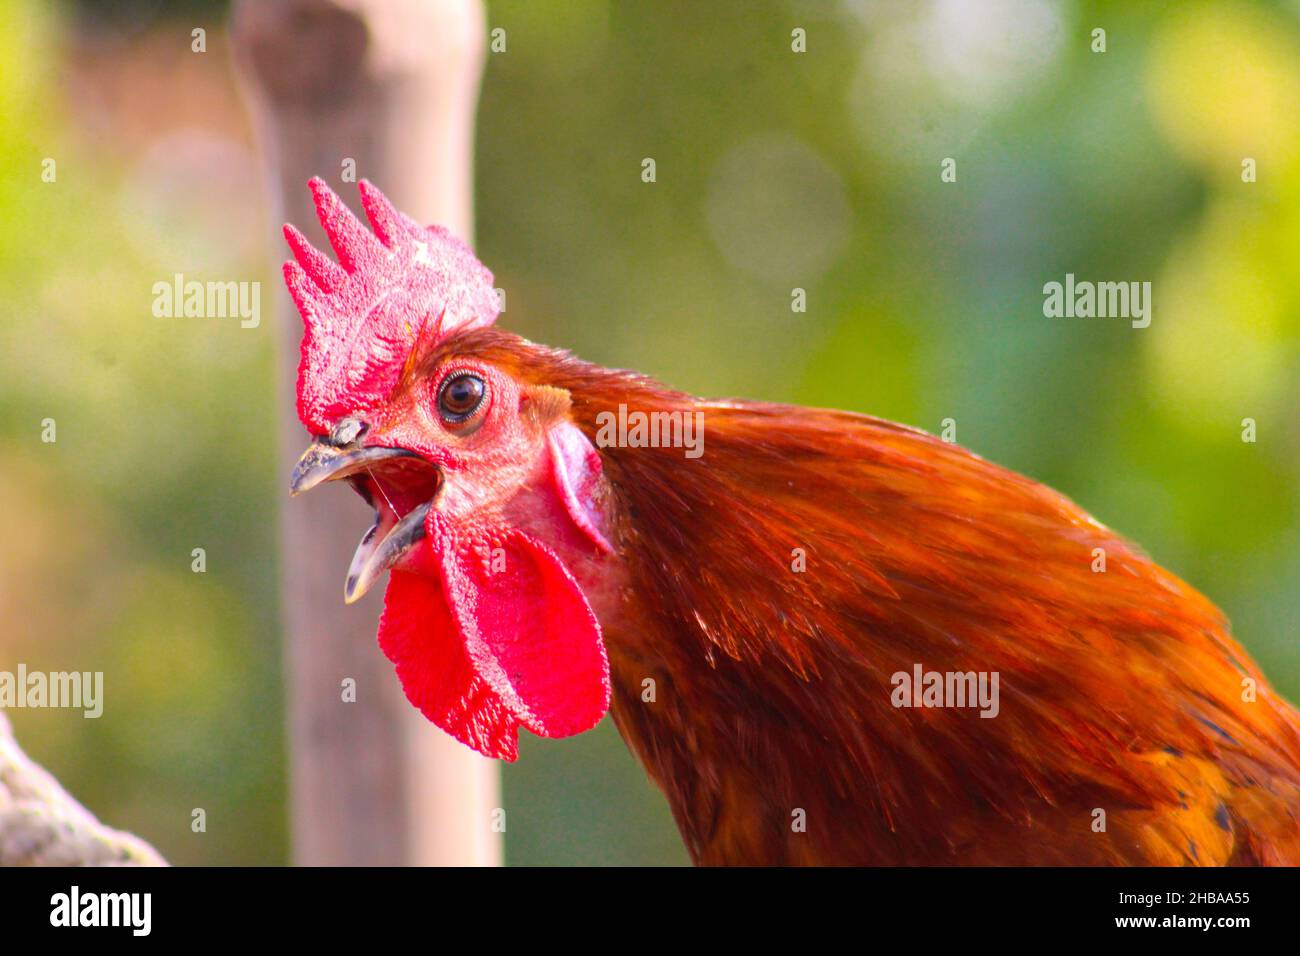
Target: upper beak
(323,462)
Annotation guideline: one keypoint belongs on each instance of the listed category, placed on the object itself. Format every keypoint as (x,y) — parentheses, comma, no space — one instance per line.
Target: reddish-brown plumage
(1121,691)
(746,613)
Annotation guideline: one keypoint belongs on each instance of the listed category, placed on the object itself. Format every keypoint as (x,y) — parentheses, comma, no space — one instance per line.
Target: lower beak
(391,536)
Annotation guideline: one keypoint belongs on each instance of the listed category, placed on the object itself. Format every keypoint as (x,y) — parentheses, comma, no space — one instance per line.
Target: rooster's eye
(460,396)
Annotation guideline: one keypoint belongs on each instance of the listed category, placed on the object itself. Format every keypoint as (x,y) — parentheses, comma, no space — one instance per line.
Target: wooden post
(385,90)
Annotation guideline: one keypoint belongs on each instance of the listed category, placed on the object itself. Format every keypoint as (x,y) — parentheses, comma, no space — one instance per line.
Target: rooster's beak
(322,462)
(393,534)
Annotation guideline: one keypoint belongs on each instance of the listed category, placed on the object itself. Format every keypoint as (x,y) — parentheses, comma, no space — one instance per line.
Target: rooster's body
(746,615)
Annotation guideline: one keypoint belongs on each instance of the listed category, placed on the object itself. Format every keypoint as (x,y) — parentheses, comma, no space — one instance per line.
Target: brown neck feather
(777,582)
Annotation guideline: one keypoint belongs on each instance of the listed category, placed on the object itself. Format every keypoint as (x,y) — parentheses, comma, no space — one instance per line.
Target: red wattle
(501,637)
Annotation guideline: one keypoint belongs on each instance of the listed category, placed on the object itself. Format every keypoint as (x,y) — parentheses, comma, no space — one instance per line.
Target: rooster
(765,618)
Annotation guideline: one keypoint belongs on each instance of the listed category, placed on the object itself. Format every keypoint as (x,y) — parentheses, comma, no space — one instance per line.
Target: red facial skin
(484,619)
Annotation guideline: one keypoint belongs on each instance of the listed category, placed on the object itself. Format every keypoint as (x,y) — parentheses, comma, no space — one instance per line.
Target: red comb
(392,288)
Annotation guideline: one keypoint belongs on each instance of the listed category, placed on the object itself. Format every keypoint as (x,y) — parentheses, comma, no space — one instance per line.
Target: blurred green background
(775,170)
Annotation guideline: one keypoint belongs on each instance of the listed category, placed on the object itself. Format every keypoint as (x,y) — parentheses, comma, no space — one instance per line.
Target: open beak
(399,484)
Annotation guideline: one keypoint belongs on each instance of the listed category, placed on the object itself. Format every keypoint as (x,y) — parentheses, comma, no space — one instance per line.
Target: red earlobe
(575,466)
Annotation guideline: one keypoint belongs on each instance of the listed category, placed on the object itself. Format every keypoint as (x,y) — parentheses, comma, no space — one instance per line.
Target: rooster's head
(485,493)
